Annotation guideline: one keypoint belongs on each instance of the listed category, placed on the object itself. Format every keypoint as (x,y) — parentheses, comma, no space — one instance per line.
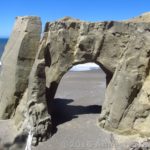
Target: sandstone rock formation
(121,49)
(17,61)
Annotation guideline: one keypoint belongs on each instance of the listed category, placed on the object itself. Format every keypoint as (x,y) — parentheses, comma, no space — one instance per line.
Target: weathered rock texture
(17,61)
(121,49)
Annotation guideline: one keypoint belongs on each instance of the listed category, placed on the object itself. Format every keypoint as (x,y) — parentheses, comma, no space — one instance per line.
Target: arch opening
(80,92)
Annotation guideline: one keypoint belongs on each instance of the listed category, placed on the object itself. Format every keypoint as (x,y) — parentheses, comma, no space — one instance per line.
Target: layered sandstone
(17,61)
(121,49)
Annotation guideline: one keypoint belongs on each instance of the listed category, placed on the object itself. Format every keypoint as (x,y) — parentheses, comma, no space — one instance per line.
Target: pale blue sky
(50,10)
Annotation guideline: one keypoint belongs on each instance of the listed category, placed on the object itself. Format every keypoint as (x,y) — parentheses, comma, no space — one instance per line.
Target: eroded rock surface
(17,61)
(121,49)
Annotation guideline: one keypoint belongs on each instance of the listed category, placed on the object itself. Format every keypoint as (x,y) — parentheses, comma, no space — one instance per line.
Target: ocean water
(85,67)
(3,42)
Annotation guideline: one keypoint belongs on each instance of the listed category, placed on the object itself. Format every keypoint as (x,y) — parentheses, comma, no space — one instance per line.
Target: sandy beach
(77,106)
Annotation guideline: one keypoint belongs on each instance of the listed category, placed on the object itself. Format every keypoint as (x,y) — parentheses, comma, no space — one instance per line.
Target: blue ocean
(3,42)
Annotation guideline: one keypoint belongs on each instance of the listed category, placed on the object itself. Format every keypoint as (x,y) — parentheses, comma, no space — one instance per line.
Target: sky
(51,10)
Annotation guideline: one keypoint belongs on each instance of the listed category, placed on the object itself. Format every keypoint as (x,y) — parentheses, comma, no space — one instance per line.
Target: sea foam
(85,67)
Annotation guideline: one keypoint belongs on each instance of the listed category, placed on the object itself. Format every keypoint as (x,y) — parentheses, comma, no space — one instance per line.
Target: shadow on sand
(63,111)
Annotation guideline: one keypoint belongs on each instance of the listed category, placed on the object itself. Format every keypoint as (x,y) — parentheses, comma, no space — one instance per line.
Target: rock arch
(80,92)
(120,48)
(51,91)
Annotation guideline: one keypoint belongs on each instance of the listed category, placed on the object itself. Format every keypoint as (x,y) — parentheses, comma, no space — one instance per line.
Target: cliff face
(121,49)
(17,61)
